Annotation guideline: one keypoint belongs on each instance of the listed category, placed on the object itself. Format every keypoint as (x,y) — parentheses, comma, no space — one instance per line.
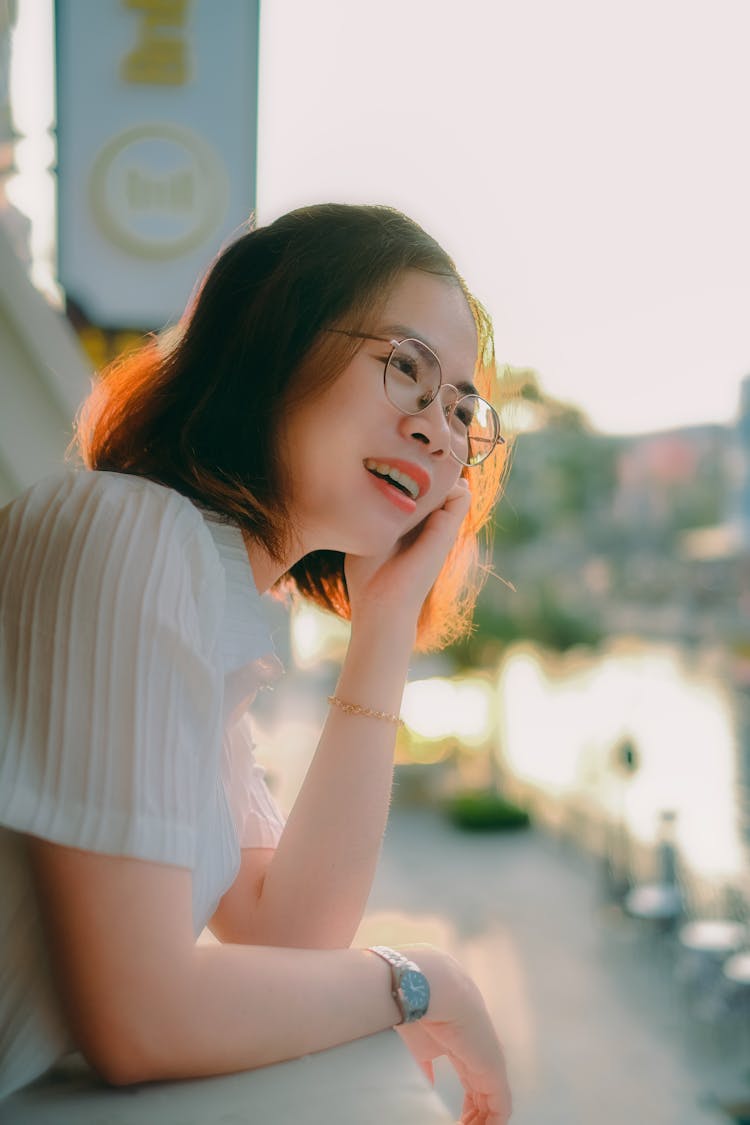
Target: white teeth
(406,481)
(396,475)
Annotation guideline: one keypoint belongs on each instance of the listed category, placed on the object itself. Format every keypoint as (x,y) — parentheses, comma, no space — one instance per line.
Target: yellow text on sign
(160,57)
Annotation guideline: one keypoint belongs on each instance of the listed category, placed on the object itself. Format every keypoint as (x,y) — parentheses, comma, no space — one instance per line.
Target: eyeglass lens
(412,380)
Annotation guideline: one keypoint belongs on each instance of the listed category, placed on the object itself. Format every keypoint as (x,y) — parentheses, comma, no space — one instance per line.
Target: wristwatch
(411,989)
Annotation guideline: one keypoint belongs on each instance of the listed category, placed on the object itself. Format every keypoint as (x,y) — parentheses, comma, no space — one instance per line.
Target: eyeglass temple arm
(362,335)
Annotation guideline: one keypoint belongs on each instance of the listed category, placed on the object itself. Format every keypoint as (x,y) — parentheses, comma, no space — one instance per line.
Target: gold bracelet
(355,709)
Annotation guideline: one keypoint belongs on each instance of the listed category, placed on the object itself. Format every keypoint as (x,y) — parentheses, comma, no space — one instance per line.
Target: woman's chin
(378,539)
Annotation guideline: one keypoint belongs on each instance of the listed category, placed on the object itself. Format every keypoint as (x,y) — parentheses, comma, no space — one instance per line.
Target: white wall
(44,375)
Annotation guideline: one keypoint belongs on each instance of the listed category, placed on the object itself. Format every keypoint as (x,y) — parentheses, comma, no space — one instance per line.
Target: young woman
(321,424)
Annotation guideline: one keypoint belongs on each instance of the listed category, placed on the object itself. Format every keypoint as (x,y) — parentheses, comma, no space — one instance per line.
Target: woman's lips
(394,494)
(412,477)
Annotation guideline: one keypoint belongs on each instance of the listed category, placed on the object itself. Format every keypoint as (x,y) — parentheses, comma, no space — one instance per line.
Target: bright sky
(585,163)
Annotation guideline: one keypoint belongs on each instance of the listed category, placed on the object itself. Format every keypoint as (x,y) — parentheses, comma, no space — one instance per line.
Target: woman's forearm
(317,884)
(232,1008)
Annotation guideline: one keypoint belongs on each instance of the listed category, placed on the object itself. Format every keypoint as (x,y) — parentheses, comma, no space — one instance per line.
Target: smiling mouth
(400,480)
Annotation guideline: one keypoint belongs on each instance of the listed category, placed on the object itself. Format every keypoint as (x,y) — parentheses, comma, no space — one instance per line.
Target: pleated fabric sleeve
(109,608)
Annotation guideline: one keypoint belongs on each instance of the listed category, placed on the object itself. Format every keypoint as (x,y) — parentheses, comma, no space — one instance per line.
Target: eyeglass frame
(499,440)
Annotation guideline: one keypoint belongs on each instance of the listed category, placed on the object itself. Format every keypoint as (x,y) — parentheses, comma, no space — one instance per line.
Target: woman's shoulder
(78,487)
(83,511)
(71,493)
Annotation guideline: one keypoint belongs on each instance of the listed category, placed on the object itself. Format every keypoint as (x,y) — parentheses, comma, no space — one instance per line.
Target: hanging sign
(156,131)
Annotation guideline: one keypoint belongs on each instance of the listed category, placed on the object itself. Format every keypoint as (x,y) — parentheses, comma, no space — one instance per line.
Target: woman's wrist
(395,629)
(375,669)
(377,658)
(444,975)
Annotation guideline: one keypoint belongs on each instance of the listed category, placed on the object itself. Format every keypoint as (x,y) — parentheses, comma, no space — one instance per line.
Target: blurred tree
(590,523)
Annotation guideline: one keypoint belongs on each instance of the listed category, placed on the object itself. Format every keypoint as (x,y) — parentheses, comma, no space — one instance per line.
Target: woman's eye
(463,414)
(406,367)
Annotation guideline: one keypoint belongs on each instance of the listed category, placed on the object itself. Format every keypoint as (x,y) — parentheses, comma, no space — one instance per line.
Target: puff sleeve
(110,700)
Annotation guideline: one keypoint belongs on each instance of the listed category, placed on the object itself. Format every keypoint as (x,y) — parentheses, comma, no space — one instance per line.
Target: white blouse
(132,641)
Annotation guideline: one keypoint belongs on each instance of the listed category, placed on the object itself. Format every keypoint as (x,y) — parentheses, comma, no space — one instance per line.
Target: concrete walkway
(586,1006)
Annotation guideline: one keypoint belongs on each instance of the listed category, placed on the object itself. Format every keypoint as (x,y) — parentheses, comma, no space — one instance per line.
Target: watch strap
(397,962)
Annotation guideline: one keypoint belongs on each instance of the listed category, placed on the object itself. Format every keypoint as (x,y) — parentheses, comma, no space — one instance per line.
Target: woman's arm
(313,891)
(315,887)
(144,1003)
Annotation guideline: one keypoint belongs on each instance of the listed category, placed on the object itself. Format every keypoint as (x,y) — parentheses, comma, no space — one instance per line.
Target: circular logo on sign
(157,191)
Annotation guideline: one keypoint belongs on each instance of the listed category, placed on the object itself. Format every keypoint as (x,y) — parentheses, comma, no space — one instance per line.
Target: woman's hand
(401,579)
(458,1025)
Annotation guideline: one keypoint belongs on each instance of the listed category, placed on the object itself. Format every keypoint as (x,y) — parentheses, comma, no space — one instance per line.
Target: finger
(441,526)
(493,1106)
(469,1112)
(459,495)
(460,488)
(450,515)
(428,1070)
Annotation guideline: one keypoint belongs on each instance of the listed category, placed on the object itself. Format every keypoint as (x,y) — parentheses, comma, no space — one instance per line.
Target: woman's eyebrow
(404,332)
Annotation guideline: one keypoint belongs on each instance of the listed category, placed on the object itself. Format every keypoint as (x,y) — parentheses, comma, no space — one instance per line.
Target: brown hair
(190,417)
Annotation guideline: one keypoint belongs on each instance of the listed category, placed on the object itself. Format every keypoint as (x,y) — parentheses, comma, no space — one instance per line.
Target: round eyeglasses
(413,379)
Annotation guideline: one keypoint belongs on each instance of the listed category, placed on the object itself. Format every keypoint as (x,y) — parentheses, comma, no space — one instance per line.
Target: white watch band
(392,956)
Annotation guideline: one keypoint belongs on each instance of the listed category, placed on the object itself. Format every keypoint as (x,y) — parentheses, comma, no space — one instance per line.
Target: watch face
(416,992)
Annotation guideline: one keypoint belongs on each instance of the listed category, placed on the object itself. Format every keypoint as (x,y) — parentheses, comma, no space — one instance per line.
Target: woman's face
(331,443)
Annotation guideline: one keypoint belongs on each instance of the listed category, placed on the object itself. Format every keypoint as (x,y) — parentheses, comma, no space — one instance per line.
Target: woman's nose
(431,426)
